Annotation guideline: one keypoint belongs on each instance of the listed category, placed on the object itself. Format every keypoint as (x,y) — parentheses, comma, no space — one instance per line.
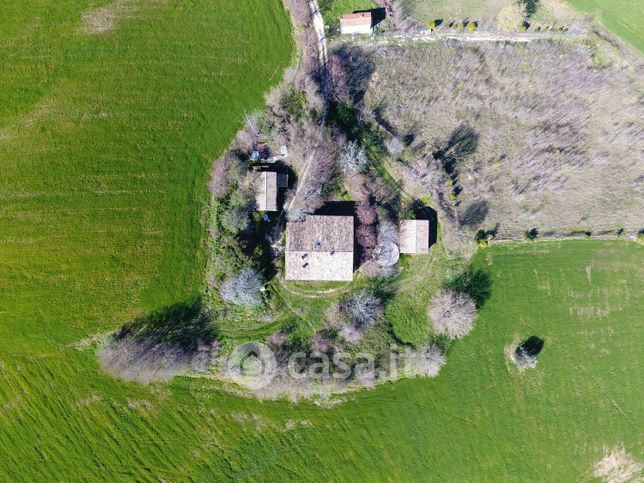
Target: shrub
(471,26)
(235,219)
(352,333)
(366,236)
(366,213)
(408,320)
(362,308)
(427,362)
(353,159)
(394,146)
(294,102)
(483,238)
(452,313)
(524,359)
(243,289)
(531,234)
(387,251)
(512,16)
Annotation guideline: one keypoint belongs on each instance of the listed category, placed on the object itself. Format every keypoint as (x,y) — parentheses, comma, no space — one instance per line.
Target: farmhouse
(356,23)
(320,248)
(414,236)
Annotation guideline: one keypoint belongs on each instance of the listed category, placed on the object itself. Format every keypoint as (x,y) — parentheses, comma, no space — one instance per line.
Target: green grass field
(479,420)
(106,139)
(624,18)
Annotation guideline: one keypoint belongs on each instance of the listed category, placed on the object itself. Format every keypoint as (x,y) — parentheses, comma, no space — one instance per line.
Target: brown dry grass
(558,141)
(618,466)
(105,19)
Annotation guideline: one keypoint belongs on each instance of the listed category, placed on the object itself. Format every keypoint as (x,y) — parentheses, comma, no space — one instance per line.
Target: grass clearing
(479,419)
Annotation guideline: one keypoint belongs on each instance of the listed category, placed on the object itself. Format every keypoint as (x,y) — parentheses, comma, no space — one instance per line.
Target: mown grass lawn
(479,420)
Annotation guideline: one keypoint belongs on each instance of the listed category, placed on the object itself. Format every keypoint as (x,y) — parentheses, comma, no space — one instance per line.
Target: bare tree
(452,313)
(366,213)
(220,182)
(338,83)
(244,289)
(523,359)
(394,146)
(427,362)
(362,308)
(387,251)
(320,343)
(366,237)
(353,159)
(144,361)
(352,333)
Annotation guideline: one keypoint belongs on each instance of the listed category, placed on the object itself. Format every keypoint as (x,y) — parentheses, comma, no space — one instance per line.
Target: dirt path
(429,36)
(318,26)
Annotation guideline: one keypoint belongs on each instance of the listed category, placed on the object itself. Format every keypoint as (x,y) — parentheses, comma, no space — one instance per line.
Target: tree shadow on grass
(476,283)
(532,346)
(183,325)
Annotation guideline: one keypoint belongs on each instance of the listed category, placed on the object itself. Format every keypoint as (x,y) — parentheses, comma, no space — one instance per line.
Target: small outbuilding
(414,236)
(266,184)
(356,23)
(320,248)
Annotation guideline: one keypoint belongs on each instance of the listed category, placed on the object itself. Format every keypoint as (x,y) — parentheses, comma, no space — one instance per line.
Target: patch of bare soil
(618,466)
(105,19)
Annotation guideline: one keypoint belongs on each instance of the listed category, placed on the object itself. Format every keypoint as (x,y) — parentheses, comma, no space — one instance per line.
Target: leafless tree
(426,362)
(523,359)
(452,313)
(353,159)
(338,83)
(320,343)
(394,146)
(220,181)
(352,334)
(362,308)
(387,251)
(144,361)
(366,213)
(244,289)
(322,145)
(366,236)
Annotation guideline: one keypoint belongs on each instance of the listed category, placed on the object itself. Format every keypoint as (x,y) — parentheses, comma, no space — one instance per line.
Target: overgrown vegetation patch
(510,137)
